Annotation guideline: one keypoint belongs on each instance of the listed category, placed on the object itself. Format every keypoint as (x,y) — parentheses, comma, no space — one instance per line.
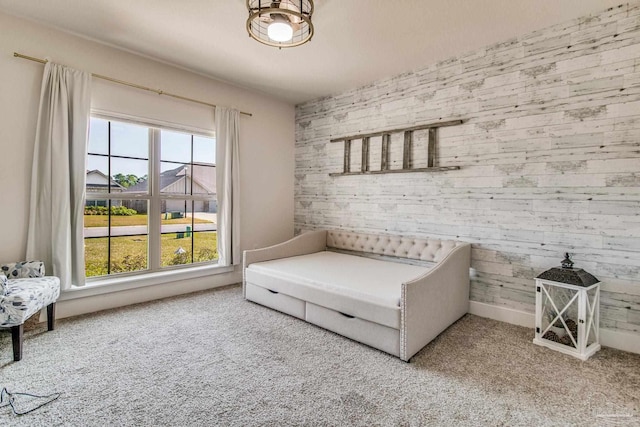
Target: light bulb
(280,30)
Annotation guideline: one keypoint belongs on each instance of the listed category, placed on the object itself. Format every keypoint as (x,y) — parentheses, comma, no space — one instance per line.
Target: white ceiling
(356,41)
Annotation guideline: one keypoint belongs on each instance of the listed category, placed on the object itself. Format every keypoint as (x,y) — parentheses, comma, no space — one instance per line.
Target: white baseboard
(620,340)
(69,307)
(503,314)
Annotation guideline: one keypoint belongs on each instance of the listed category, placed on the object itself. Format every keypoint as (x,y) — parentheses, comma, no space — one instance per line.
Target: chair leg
(51,316)
(16,336)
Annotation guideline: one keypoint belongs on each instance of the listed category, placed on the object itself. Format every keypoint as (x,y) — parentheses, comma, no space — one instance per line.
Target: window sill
(116,284)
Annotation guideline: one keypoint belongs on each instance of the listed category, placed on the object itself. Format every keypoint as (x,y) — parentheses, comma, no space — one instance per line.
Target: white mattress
(372,281)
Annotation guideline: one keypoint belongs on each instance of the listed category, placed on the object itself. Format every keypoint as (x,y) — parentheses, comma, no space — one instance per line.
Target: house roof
(103,176)
(171,176)
(166,179)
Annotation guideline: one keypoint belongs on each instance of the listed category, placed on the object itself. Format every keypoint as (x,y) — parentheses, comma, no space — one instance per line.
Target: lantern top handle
(566,262)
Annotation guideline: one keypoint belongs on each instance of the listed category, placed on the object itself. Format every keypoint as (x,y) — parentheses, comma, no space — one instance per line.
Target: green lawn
(141,219)
(130,253)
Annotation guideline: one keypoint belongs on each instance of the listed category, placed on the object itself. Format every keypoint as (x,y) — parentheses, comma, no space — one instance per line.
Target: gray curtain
(228,183)
(55,233)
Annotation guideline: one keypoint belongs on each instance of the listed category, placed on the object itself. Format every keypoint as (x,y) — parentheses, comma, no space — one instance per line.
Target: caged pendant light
(280,23)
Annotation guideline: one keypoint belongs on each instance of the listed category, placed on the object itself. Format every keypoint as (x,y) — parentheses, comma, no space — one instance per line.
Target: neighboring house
(98,182)
(179,181)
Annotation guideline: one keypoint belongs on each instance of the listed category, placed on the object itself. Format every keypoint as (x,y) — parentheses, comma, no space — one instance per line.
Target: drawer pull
(273,292)
(347,315)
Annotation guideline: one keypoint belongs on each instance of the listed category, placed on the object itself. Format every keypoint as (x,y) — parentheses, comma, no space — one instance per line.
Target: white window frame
(154,198)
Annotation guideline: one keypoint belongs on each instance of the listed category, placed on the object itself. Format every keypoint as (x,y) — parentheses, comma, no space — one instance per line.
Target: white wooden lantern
(568,310)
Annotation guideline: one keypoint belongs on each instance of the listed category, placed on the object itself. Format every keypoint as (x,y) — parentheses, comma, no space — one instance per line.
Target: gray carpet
(212,358)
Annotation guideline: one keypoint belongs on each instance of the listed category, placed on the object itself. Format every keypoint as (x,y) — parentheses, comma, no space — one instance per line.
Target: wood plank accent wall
(549,156)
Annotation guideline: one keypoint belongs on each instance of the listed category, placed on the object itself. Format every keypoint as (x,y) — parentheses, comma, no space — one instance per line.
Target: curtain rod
(137,86)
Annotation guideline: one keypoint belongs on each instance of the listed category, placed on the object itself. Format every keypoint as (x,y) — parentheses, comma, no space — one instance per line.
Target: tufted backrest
(432,250)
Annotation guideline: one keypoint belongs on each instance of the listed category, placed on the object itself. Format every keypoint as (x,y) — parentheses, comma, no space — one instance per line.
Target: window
(151,198)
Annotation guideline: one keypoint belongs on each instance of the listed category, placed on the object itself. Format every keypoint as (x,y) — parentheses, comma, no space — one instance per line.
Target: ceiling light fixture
(280,23)
(280,30)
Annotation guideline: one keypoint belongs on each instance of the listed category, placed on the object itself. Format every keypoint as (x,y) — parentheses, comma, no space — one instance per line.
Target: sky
(133,141)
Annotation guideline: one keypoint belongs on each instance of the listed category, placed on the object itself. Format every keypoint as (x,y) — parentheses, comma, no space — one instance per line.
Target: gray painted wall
(549,155)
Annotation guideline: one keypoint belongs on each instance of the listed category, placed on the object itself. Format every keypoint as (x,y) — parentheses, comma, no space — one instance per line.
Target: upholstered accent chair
(24,291)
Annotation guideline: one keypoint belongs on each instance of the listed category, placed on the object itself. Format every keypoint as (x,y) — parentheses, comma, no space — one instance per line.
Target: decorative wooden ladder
(406,154)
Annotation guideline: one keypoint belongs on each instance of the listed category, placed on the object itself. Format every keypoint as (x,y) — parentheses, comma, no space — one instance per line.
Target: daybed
(393,293)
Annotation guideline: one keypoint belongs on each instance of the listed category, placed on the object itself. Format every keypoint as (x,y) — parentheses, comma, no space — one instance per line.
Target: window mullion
(154,201)
(109,199)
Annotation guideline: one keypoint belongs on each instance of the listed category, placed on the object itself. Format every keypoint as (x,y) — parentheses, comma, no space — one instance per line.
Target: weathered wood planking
(550,160)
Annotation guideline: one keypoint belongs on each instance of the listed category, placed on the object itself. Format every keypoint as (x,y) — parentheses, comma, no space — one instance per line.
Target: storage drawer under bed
(370,333)
(275,300)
